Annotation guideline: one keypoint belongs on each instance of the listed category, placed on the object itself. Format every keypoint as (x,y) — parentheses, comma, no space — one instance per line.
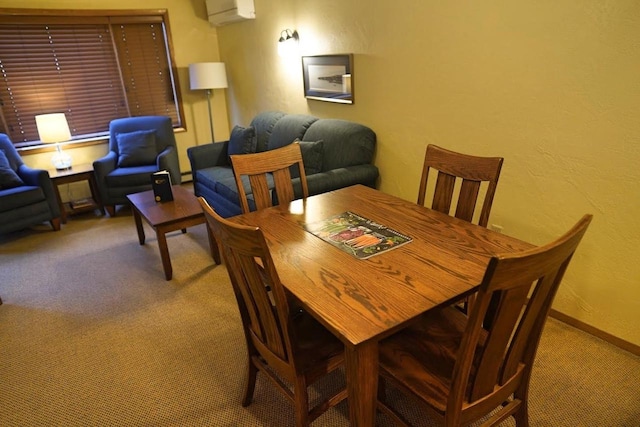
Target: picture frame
(328,78)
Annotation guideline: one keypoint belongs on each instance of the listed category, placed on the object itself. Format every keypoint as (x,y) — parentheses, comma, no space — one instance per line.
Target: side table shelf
(76,173)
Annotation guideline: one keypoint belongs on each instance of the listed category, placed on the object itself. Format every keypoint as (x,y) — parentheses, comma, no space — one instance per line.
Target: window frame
(139,16)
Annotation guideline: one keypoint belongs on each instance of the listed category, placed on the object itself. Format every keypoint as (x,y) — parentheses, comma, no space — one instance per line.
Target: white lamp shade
(207,75)
(53,127)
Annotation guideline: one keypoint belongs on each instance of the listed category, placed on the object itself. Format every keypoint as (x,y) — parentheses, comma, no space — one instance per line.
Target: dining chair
(471,170)
(269,170)
(463,368)
(288,346)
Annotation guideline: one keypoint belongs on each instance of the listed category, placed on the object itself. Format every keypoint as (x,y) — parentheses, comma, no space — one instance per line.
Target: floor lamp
(209,76)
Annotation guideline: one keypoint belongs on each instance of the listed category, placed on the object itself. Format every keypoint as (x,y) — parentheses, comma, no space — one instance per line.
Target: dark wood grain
(363,301)
(181,213)
(282,342)
(77,173)
(472,171)
(464,368)
(276,163)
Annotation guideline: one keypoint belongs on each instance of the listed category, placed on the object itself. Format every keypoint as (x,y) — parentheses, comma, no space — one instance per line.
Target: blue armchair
(27,196)
(138,147)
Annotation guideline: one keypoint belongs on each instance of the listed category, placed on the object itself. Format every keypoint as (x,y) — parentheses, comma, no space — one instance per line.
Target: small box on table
(161,184)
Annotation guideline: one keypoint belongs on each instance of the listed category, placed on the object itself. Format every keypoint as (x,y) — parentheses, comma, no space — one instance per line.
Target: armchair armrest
(32,176)
(40,178)
(168,160)
(101,169)
(104,165)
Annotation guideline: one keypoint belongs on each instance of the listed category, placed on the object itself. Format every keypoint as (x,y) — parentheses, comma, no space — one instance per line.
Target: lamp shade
(53,127)
(207,75)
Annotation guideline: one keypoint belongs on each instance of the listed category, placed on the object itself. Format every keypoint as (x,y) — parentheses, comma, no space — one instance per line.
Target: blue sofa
(336,153)
(27,196)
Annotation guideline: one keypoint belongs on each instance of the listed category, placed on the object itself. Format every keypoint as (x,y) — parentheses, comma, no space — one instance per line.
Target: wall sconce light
(288,42)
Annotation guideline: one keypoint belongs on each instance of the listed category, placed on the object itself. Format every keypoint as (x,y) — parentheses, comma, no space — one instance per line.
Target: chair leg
(252,372)
(111,210)
(522,394)
(301,402)
(522,415)
(55,223)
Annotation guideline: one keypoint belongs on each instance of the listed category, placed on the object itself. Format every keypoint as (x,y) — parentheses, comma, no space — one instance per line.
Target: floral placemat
(359,236)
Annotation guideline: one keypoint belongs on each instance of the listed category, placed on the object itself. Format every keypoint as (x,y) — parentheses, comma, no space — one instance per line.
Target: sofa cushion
(311,157)
(8,177)
(137,148)
(336,152)
(223,182)
(263,123)
(288,129)
(242,141)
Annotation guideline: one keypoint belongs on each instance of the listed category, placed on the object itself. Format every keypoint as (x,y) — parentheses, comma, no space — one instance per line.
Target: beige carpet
(92,335)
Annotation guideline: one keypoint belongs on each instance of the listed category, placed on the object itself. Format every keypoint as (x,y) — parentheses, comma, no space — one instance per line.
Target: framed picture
(328,78)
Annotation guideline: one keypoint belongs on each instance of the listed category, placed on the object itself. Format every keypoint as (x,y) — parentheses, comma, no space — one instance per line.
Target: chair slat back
(257,166)
(472,170)
(252,273)
(513,333)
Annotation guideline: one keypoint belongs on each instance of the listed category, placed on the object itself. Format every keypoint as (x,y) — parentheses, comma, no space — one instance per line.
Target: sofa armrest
(208,155)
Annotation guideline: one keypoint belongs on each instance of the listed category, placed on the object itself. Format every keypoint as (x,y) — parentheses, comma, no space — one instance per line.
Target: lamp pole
(209,95)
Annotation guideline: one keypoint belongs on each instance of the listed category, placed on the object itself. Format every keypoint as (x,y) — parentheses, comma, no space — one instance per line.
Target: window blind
(92,69)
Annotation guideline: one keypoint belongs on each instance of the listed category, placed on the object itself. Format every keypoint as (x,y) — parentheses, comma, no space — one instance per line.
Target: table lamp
(208,75)
(53,128)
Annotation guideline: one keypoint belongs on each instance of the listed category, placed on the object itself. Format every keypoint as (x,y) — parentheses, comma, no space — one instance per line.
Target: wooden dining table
(362,301)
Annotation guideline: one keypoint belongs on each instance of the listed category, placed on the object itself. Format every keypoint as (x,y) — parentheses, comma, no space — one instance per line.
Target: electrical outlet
(496,227)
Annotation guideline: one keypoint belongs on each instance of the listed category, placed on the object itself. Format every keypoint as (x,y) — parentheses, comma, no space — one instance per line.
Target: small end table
(184,211)
(76,173)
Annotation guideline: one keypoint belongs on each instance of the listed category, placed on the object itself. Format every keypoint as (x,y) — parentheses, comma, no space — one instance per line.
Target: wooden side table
(76,173)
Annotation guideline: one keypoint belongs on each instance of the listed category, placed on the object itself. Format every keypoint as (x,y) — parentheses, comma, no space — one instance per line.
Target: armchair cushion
(137,148)
(132,176)
(8,177)
(20,196)
(242,140)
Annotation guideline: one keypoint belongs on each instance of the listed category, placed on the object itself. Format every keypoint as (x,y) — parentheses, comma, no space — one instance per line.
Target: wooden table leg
(139,227)
(361,364)
(63,212)
(93,186)
(164,254)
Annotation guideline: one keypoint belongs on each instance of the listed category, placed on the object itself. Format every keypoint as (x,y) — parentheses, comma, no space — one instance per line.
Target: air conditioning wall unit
(222,12)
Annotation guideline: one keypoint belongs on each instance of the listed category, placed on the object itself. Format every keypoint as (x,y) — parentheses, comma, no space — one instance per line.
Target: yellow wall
(552,86)
(194,40)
